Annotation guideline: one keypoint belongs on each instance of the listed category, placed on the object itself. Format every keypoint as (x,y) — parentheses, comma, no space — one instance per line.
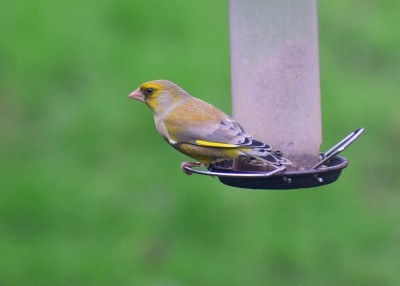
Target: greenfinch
(200,130)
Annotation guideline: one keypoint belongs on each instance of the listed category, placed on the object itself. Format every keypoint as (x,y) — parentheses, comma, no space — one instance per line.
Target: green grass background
(91,195)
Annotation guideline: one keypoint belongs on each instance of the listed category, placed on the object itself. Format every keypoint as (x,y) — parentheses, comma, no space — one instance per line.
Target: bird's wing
(197,122)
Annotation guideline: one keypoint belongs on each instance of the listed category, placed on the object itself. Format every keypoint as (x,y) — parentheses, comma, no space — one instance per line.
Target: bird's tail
(269,156)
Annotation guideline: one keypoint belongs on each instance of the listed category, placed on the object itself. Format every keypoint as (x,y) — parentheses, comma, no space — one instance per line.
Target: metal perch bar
(216,171)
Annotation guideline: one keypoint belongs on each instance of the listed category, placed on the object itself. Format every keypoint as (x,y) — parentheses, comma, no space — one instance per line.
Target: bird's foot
(189,165)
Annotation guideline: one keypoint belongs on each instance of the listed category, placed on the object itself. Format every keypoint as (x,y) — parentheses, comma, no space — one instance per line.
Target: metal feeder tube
(275,75)
(276,95)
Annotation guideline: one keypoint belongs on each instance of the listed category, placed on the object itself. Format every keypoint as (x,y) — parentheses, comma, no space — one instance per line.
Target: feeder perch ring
(326,171)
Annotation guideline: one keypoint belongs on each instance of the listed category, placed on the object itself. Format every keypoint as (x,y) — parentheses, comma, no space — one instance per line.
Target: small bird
(200,130)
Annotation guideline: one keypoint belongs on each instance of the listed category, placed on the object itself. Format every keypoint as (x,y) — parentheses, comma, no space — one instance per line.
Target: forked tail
(271,157)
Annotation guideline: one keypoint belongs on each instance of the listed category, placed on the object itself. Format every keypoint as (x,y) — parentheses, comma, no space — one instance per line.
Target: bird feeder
(276,94)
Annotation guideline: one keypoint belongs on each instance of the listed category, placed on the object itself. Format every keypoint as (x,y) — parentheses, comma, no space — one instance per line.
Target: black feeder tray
(326,171)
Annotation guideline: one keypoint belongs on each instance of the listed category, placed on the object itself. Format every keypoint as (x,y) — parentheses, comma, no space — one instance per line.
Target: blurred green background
(87,199)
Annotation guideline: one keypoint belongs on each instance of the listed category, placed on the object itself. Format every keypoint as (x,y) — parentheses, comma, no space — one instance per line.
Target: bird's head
(159,94)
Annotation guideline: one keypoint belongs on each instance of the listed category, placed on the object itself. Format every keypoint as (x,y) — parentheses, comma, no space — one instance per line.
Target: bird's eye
(149,91)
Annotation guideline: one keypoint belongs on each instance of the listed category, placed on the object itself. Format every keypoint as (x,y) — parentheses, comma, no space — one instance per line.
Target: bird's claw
(189,165)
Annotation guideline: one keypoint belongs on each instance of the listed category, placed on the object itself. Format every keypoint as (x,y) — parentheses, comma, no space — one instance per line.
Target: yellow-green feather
(206,155)
(200,115)
(215,144)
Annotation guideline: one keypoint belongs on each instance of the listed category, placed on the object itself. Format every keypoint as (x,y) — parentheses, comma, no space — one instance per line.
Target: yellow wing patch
(215,144)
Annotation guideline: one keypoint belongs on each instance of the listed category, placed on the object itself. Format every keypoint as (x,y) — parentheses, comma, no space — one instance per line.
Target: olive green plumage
(198,129)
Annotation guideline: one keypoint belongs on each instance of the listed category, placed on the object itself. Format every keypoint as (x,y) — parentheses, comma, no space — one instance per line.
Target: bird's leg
(190,165)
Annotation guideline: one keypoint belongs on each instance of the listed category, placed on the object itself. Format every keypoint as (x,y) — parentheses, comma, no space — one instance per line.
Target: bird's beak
(136,95)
